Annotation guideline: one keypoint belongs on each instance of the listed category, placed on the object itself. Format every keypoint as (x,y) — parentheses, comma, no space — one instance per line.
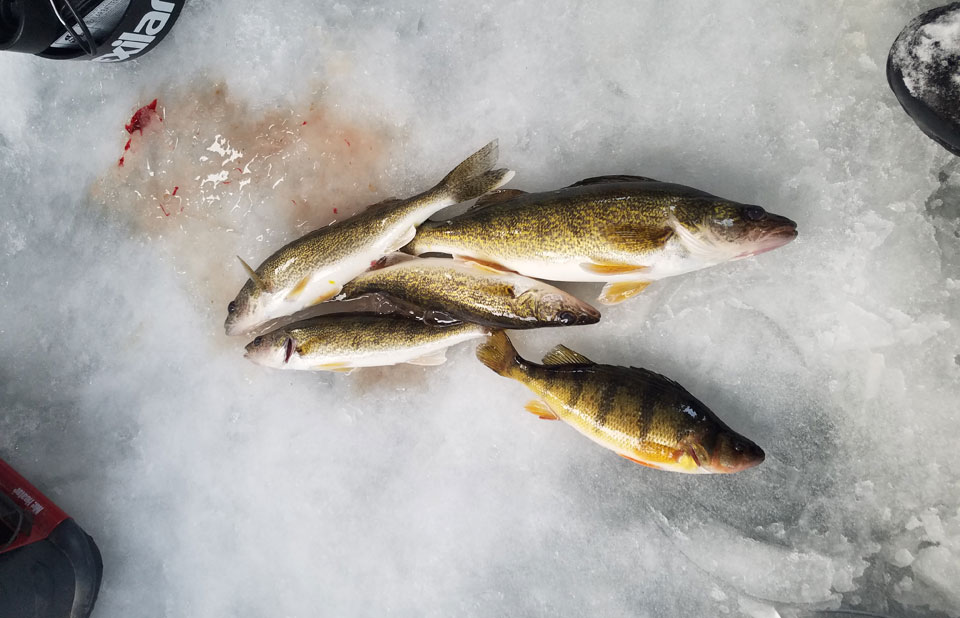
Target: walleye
(626,231)
(315,267)
(636,413)
(451,290)
(343,342)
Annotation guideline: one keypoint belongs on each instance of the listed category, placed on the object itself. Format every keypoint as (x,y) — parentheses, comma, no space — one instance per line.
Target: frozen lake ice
(215,487)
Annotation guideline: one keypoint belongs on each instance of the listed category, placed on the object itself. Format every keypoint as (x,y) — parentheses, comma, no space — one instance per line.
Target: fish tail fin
(498,353)
(475,176)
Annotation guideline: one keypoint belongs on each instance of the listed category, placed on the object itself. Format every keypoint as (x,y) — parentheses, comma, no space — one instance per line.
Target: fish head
(561,308)
(246,311)
(722,451)
(273,349)
(731,231)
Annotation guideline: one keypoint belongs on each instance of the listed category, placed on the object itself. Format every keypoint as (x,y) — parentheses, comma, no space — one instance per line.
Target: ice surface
(215,487)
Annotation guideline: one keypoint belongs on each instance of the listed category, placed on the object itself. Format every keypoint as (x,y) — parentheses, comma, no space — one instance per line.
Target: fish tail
(475,176)
(498,353)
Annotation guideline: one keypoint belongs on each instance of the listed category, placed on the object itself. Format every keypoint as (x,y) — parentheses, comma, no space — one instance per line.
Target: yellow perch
(636,413)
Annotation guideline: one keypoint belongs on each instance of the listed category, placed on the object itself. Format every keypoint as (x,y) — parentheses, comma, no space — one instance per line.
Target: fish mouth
(777,232)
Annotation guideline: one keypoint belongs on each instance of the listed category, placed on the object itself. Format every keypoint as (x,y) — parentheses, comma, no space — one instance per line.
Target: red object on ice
(174,191)
(44,514)
(141,118)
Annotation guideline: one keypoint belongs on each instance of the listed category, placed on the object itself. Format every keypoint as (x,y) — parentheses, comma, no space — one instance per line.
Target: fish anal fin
(299,288)
(637,461)
(619,291)
(338,367)
(325,296)
(541,409)
(431,359)
(562,355)
(600,180)
(260,283)
(490,267)
(404,239)
(497,197)
(611,268)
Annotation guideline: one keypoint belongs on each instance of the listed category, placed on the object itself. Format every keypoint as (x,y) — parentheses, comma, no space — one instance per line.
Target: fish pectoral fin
(299,288)
(611,268)
(637,461)
(541,409)
(326,296)
(339,367)
(619,291)
(485,266)
(602,180)
(432,359)
(562,355)
(639,238)
(496,197)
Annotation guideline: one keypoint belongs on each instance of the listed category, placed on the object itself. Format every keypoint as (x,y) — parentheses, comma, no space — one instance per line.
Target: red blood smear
(294,202)
(141,118)
(304,122)
(127,147)
(345,139)
(226,182)
(334,211)
(175,189)
(120,162)
(165,213)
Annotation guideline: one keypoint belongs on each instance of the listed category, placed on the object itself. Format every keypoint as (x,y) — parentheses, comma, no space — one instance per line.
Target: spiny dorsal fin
(562,355)
(253,275)
(657,380)
(599,180)
(497,197)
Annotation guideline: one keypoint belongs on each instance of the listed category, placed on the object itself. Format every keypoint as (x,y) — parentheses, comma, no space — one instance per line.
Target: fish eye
(232,307)
(565,317)
(258,341)
(754,213)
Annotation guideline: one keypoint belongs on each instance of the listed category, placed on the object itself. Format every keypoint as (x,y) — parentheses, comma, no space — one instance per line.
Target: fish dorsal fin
(387,203)
(562,355)
(497,197)
(253,275)
(657,380)
(599,180)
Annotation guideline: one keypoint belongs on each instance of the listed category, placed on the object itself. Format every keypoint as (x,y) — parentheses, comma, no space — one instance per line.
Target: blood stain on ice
(225,158)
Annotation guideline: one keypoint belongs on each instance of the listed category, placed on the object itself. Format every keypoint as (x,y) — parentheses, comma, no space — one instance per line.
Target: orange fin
(491,267)
(541,409)
(325,297)
(299,288)
(610,268)
(341,367)
(562,355)
(620,291)
(637,461)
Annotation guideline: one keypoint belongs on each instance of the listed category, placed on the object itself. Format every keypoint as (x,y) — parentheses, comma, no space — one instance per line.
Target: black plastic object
(98,30)
(58,577)
(49,567)
(923,70)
